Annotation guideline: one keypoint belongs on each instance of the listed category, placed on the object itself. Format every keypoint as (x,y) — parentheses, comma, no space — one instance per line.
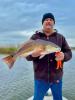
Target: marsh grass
(7,50)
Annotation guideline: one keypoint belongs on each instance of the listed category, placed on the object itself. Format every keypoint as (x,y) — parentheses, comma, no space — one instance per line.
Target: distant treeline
(7,50)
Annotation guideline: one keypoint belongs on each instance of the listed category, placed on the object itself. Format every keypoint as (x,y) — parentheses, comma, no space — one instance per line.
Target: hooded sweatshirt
(45,68)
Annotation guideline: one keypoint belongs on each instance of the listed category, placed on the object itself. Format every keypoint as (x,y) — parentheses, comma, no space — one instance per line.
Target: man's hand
(59,56)
(37,53)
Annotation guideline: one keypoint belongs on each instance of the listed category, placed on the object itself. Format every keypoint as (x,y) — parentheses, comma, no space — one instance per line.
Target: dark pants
(41,87)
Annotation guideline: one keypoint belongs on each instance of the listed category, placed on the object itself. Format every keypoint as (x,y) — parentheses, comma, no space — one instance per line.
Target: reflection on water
(17,83)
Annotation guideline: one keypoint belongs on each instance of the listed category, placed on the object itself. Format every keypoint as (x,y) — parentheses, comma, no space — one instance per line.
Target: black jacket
(45,68)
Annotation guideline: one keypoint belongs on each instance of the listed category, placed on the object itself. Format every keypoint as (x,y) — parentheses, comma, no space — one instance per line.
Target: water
(17,83)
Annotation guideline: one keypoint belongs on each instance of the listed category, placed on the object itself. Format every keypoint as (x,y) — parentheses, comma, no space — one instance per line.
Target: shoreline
(7,50)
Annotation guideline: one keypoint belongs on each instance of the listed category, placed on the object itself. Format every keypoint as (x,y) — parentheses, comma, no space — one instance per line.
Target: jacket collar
(43,34)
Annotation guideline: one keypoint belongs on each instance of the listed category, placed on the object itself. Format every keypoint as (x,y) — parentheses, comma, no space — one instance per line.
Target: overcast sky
(22,17)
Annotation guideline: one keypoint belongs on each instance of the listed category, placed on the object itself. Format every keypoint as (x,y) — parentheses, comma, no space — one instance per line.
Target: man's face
(48,23)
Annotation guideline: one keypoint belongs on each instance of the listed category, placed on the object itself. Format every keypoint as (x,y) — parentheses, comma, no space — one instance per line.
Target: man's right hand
(37,53)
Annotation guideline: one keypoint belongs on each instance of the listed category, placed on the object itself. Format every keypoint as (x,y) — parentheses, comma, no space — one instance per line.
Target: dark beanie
(48,15)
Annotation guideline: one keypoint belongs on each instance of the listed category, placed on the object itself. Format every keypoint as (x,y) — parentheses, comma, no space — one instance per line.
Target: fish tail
(9,60)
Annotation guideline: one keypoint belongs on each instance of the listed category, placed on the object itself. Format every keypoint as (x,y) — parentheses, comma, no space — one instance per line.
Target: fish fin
(9,60)
(41,56)
(44,53)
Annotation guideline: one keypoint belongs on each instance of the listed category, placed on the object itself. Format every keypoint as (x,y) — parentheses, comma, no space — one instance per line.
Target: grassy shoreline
(9,50)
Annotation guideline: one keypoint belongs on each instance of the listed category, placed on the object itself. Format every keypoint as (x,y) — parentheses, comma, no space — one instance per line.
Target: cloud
(19,16)
(25,15)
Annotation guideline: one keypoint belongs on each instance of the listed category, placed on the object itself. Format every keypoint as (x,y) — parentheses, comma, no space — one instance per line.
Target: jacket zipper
(48,64)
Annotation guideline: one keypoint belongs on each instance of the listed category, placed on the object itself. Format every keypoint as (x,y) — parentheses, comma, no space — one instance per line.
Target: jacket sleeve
(30,58)
(66,50)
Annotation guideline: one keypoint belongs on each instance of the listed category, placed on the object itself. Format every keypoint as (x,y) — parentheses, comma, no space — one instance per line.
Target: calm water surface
(17,83)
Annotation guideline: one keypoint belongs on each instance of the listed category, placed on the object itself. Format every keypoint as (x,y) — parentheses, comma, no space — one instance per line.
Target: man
(46,74)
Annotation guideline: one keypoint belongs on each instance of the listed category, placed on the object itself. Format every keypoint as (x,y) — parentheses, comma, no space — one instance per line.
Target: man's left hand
(59,56)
